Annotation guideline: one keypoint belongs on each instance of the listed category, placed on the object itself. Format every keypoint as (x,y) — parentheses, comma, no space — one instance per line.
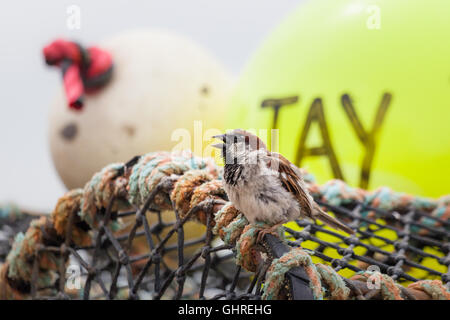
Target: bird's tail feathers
(329,220)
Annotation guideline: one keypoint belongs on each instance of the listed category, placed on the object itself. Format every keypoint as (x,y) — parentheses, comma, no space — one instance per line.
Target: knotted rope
(182,182)
(337,192)
(276,273)
(116,187)
(433,288)
(325,281)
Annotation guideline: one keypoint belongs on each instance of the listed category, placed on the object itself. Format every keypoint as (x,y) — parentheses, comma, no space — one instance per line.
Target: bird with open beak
(264,185)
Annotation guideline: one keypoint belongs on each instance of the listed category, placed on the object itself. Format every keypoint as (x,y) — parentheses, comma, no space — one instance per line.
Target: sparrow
(264,185)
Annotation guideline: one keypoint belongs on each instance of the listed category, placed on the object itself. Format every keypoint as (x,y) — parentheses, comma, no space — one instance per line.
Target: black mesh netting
(163,254)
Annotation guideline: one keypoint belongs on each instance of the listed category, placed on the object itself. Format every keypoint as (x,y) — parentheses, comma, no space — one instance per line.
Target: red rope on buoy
(84,70)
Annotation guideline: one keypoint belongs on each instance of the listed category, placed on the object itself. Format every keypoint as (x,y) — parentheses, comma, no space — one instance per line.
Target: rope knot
(434,288)
(104,187)
(279,267)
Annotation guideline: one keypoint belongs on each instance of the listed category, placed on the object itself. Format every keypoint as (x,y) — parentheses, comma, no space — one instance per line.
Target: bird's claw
(270,230)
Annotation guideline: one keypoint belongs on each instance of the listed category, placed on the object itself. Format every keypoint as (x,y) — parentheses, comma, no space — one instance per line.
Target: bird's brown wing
(290,181)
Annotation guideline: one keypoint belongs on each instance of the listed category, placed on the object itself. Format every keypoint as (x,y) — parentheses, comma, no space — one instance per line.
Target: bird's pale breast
(259,195)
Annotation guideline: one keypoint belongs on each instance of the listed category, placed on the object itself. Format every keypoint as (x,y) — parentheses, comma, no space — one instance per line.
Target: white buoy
(161,82)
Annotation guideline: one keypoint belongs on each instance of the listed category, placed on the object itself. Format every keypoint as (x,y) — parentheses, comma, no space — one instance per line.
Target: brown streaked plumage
(290,182)
(266,186)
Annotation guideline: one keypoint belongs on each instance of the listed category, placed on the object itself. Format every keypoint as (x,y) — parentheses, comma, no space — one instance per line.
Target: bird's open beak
(220,137)
(218,145)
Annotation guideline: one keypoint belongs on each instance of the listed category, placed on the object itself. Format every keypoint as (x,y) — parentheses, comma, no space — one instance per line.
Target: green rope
(10,211)
(275,276)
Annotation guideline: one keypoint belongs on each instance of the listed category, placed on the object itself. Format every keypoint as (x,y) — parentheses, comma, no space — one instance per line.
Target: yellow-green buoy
(359,90)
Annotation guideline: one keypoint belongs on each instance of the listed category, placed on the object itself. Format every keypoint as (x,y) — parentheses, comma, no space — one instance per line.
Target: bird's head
(237,144)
